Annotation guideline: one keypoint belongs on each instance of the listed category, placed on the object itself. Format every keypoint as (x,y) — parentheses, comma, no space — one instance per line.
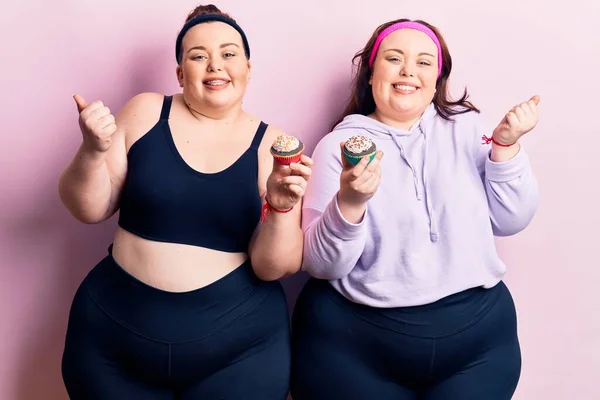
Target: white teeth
(405,87)
(216,83)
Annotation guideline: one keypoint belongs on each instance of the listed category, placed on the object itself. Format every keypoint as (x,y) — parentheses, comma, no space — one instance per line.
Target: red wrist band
(268,210)
(487,140)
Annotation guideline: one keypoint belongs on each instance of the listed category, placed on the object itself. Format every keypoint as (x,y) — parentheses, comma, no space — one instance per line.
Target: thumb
(535,99)
(345,163)
(80,101)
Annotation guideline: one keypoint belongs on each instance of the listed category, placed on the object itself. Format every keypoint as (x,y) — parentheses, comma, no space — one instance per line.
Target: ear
(179,73)
(371,79)
(249,70)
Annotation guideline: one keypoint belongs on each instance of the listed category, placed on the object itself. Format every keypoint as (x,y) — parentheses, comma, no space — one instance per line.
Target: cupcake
(358,147)
(287,149)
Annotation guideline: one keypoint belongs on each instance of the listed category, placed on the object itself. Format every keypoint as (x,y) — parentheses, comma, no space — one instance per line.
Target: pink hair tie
(407,25)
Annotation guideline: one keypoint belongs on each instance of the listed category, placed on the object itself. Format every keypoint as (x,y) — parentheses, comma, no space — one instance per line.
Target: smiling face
(214,71)
(404,77)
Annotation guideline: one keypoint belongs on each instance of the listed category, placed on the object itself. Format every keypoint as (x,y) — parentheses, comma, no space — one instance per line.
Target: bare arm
(276,249)
(277,245)
(90,186)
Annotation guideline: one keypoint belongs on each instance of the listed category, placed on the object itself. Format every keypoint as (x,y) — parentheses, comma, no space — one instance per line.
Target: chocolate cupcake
(287,149)
(358,147)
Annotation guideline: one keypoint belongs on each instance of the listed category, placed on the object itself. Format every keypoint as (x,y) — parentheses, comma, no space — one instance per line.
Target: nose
(215,64)
(407,70)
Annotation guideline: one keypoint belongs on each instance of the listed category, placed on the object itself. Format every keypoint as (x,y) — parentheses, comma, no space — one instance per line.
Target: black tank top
(164,199)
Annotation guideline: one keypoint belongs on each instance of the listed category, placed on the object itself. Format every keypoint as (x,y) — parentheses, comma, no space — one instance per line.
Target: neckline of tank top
(181,161)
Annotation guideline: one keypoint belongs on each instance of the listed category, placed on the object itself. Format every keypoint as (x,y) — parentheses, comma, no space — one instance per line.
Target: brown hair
(209,9)
(361,99)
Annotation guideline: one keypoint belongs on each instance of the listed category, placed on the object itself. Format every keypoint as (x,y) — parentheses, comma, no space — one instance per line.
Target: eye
(425,63)
(229,54)
(394,59)
(199,57)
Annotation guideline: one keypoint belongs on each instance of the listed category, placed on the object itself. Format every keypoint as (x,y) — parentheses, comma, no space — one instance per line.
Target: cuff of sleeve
(505,171)
(339,226)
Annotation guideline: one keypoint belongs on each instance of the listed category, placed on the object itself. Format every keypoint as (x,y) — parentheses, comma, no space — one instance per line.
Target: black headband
(208,18)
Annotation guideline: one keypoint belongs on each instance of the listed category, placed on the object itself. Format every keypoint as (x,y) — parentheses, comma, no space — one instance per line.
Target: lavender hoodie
(428,231)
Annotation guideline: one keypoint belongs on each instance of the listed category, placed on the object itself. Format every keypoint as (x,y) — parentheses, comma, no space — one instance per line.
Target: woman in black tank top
(229,339)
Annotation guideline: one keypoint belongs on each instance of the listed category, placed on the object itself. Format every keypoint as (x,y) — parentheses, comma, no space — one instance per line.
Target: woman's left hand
(287,184)
(517,122)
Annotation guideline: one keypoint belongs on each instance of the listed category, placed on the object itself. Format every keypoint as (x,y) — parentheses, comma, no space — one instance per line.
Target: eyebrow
(401,52)
(204,48)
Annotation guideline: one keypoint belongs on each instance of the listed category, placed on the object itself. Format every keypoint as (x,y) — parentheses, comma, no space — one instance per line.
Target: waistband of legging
(173,316)
(444,317)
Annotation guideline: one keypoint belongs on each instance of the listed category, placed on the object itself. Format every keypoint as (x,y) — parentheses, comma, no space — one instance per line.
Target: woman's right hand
(97,125)
(358,184)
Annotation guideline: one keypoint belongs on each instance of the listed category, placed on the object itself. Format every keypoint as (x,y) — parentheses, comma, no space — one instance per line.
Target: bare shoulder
(269,138)
(141,105)
(265,159)
(270,135)
(139,115)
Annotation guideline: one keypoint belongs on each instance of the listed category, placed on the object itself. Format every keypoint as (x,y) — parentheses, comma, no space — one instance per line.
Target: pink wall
(505,52)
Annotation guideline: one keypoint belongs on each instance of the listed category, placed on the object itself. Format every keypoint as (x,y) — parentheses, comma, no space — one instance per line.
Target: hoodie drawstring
(433,230)
(414,172)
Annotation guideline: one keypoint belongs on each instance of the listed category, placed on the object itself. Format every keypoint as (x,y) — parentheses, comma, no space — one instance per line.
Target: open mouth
(405,88)
(216,83)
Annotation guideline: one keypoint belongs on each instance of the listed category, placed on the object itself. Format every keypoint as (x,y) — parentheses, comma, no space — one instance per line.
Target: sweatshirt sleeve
(332,245)
(511,189)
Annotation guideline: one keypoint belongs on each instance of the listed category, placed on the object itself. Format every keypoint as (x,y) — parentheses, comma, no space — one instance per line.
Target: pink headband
(407,25)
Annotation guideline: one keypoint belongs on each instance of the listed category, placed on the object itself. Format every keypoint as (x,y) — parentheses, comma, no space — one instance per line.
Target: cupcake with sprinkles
(358,147)
(287,149)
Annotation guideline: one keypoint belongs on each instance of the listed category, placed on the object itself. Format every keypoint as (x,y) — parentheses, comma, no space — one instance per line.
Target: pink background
(113,49)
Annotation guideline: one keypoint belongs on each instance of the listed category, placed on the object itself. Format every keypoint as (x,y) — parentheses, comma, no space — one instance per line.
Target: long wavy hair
(361,99)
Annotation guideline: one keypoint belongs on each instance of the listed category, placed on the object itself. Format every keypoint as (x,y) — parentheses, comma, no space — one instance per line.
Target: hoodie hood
(379,131)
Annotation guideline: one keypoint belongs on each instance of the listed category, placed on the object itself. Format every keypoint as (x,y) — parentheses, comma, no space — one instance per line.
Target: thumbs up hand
(97,124)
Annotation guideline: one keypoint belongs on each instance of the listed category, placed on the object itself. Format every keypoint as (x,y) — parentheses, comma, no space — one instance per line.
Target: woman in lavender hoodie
(406,299)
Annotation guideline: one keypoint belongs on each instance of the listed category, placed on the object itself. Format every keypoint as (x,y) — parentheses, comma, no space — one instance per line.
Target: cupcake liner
(287,159)
(352,159)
